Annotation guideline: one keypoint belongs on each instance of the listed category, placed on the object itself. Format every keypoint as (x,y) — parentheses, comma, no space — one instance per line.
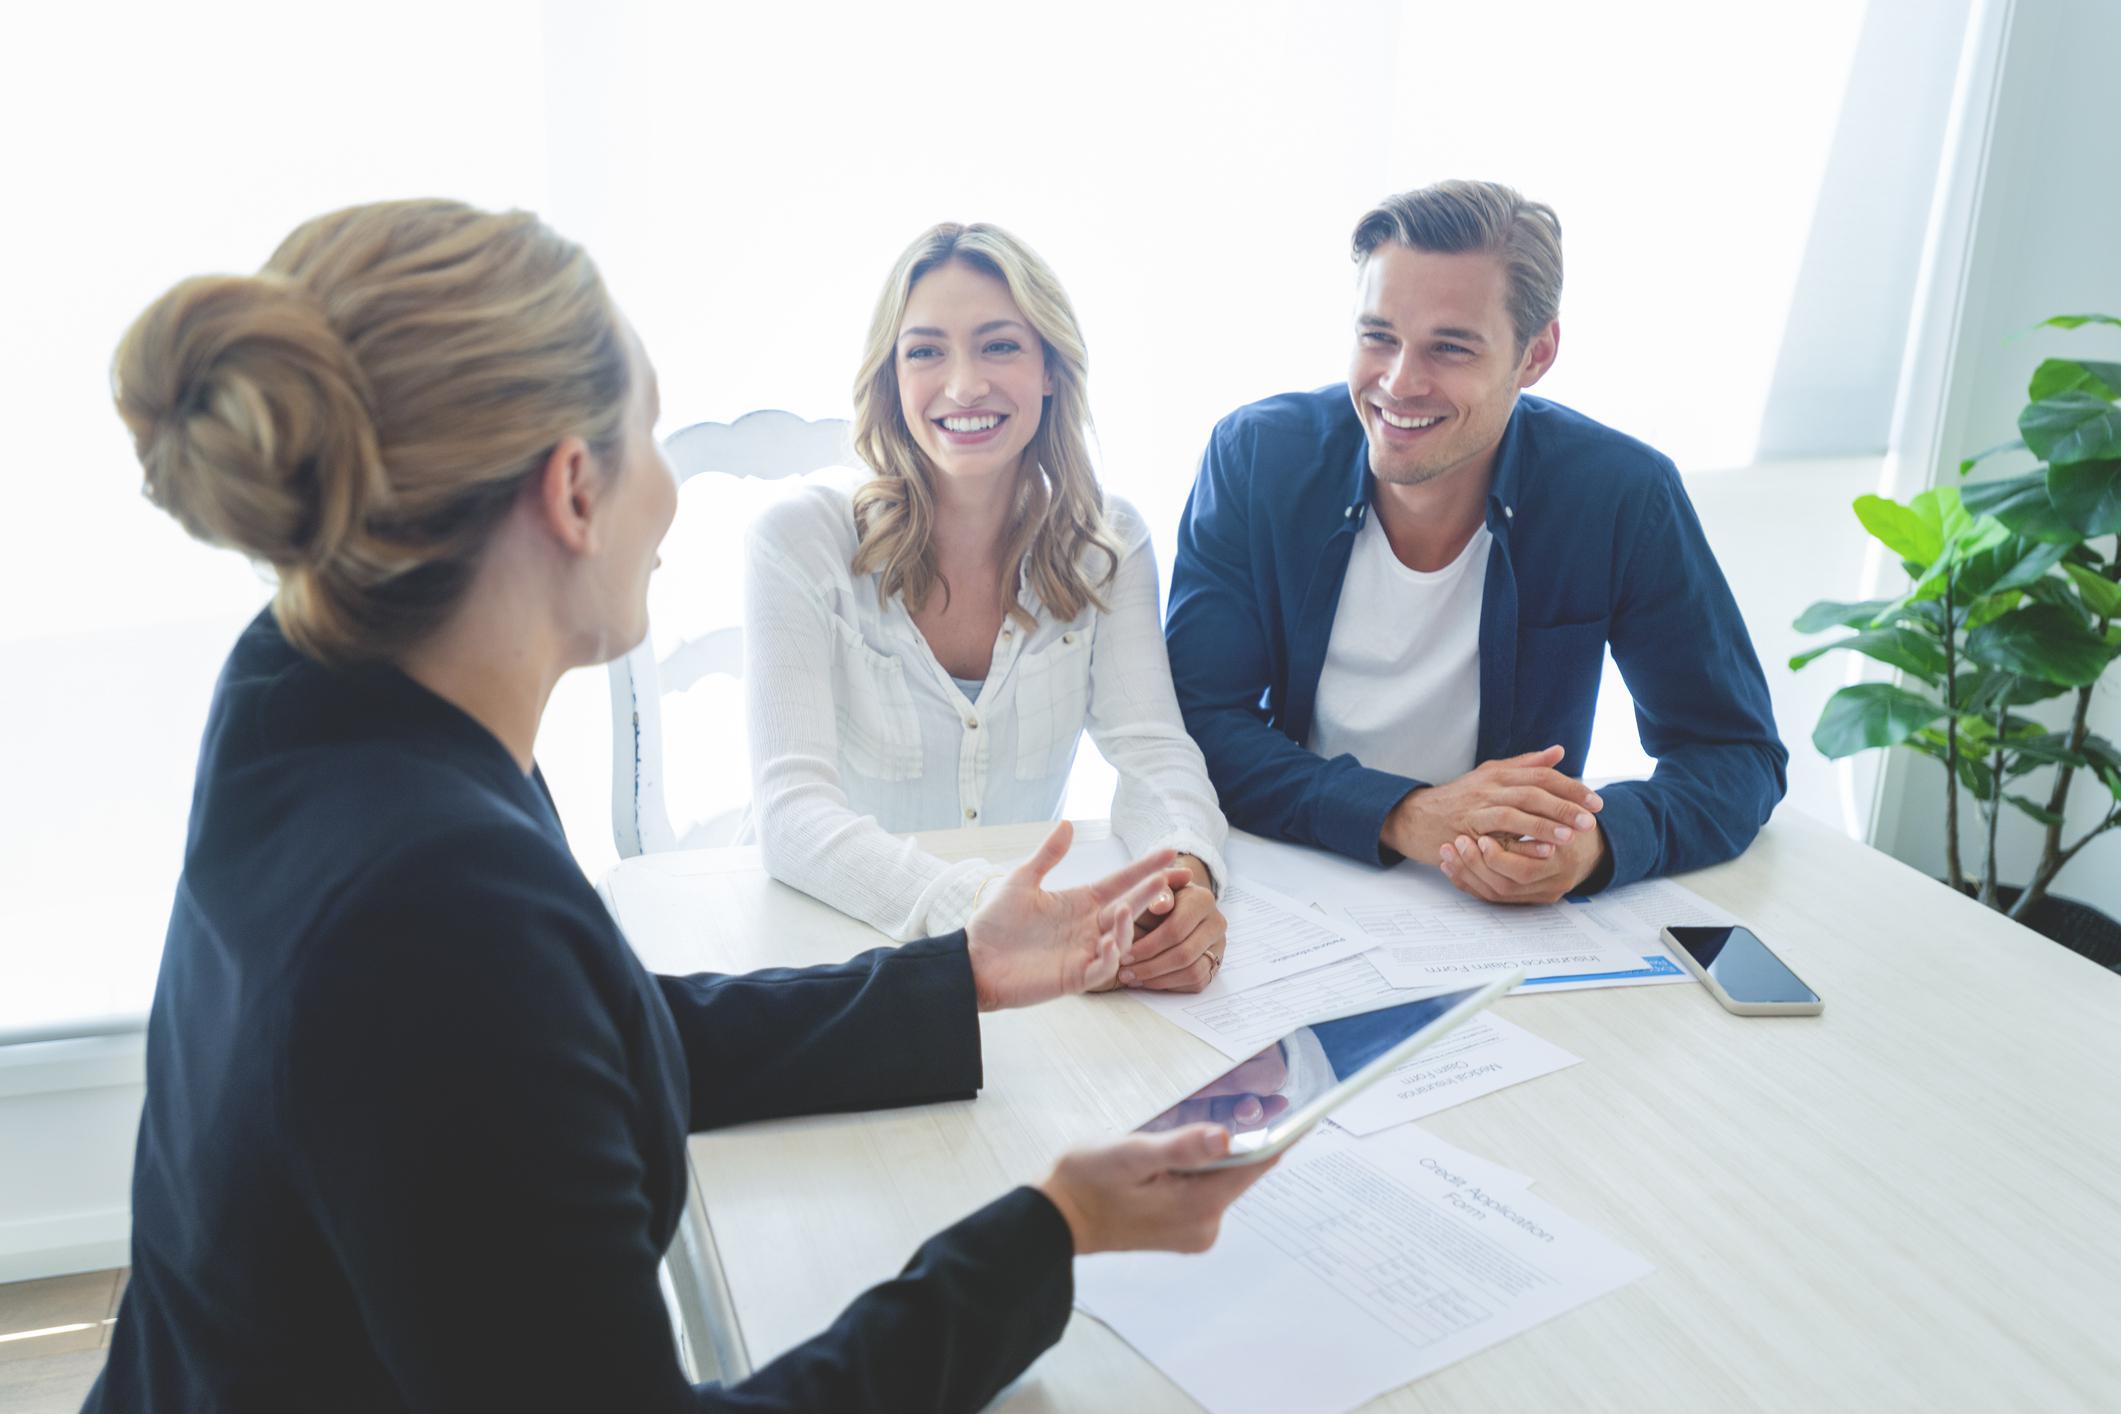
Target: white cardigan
(859,736)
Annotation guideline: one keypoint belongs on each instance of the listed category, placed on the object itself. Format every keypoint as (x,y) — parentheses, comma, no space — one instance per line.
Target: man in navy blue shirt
(1392,598)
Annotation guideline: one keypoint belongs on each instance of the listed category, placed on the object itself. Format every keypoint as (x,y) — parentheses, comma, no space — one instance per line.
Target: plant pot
(2082,929)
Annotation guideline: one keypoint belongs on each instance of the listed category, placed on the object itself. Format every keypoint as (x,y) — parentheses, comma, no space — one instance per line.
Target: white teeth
(972,424)
(1409,423)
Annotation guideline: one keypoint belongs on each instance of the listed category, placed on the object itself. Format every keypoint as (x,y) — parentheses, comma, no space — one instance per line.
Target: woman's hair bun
(254,425)
(362,413)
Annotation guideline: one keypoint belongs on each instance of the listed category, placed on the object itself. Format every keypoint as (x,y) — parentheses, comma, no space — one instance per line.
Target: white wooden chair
(689,612)
(678,657)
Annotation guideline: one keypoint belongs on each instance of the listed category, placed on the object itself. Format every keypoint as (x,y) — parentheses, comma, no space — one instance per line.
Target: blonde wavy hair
(1060,512)
(362,412)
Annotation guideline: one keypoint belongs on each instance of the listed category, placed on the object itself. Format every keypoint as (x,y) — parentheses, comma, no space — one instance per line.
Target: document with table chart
(1349,1270)
(1272,936)
(1431,942)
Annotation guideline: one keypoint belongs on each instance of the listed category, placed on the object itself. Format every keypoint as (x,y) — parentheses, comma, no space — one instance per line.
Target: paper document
(1273,936)
(1637,913)
(1634,916)
(1484,1055)
(1319,877)
(1433,944)
(1359,1271)
(1239,1023)
(1411,1146)
(1653,969)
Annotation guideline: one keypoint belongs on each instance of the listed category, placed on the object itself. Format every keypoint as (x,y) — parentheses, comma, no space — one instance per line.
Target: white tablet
(1272,1099)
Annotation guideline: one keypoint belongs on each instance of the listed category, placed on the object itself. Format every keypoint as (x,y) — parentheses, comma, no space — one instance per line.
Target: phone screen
(1742,965)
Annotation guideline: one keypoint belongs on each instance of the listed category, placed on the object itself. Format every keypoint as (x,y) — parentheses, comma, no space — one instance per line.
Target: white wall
(68,1113)
(2041,240)
(1839,365)
(1682,146)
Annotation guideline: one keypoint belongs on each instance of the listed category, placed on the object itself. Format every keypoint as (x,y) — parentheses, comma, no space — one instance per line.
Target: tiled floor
(52,1337)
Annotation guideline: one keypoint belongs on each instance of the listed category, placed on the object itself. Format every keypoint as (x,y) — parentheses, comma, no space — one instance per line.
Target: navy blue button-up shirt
(1595,544)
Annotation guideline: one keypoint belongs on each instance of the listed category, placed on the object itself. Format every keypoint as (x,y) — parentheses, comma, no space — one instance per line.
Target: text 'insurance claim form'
(1348,1271)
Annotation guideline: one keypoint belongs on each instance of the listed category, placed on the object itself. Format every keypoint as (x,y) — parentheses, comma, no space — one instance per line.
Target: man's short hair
(1456,216)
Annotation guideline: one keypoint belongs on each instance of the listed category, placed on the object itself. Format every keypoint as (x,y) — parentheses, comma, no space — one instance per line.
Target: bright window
(745,175)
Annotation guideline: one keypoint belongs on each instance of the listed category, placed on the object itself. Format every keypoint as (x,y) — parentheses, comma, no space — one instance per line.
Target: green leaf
(2015,444)
(1976,776)
(1905,532)
(2049,749)
(2040,641)
(1940,506)
(1903,648)
(1980,691)
(1966,544)
(1991,607)
(2106,762)
(2021,503)
(2087,494)
(2033,560)
(2086,554)
(2101,595)
(2059,593)
(2073,321)
(1871,714)
(2069,375)
(1831,613)
(2013,563)
(2072,427)
(2039,812)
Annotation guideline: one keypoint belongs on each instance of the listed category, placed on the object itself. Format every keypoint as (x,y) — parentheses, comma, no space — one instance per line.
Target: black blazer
(415,1122)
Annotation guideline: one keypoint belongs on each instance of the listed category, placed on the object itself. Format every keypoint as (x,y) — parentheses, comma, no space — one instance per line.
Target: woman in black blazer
(415,1123)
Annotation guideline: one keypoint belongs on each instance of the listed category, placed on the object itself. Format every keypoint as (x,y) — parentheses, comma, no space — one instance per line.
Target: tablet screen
(1300,1067)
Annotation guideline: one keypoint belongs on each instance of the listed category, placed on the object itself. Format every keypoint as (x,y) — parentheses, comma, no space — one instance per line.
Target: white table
(1893,1206)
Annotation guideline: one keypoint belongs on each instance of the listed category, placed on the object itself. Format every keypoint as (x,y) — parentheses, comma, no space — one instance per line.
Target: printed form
(1634,916)
(1428,943)
(1271,935)
(1239,1023)
(1484,1055)
(1361,1267)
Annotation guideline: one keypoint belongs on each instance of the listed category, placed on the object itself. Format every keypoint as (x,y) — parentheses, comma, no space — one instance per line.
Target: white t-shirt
(1401,687)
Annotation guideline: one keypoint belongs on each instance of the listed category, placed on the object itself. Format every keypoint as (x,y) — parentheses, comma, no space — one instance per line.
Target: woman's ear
(565,493)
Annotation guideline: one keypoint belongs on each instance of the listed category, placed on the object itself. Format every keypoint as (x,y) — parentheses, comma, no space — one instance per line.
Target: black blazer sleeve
(976,1305)
(894,1026)
(463,1114)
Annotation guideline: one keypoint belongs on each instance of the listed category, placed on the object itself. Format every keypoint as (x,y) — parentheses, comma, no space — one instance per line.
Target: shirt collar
(1507,483)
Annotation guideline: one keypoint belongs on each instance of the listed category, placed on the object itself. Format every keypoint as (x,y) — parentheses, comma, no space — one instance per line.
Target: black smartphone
(1742,972)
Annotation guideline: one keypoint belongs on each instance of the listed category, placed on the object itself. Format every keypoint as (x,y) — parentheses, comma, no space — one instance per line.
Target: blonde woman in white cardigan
(929,637)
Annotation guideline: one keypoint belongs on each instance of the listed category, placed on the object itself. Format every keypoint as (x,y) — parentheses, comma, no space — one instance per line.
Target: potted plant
(2013,599)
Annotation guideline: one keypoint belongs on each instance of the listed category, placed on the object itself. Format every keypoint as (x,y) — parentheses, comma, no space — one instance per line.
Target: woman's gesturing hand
(1028,945)
(1128,1196)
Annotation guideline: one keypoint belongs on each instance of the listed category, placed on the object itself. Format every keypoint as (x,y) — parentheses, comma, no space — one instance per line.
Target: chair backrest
(761,446)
